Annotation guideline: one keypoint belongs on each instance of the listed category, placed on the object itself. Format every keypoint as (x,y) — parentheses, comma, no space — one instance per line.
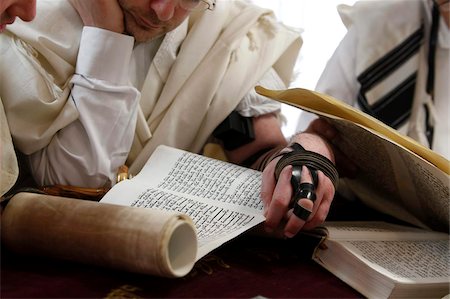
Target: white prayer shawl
(391,29)
(9,169)
(383,25)
(223,55)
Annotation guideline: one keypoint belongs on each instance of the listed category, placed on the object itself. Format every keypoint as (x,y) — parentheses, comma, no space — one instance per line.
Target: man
(393,63)
(102,83)
(9,10)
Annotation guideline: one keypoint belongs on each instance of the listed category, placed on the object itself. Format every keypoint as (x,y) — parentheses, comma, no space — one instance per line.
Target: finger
(325,193)
(280,199)
(295,223)
(268,185)
(319,217)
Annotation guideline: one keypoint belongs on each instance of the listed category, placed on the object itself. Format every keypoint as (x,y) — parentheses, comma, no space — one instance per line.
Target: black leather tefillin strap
(299,157)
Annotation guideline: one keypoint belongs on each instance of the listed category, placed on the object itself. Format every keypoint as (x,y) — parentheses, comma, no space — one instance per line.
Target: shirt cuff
(104,55)
(254,104)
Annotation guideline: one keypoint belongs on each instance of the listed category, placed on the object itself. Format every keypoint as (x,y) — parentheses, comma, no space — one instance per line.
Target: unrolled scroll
(139,240)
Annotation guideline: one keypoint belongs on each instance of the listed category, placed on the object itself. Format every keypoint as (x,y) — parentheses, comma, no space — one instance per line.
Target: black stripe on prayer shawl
(395,106)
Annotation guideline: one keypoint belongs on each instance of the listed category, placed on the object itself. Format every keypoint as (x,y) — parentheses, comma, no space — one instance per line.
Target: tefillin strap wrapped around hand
(300,157)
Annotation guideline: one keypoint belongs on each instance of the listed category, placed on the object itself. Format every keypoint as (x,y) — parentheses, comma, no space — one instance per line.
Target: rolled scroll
(138,240)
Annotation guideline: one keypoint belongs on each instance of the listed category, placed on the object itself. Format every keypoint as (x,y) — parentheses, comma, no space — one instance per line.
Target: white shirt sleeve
(254,104)
(89,151)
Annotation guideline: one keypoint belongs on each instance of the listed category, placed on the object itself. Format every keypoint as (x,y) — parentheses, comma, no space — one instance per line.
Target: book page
(221,198)
(396,175)
(422,261)
(323,104)
(394,180)
(401,252)
(378,230)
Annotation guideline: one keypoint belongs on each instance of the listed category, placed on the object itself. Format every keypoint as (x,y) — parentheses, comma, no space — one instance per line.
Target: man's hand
(276,195)
(105,14)
(344,165)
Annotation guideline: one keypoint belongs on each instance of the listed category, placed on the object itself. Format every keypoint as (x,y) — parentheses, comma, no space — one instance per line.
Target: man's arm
(267,135)
(97,143)
(99,140)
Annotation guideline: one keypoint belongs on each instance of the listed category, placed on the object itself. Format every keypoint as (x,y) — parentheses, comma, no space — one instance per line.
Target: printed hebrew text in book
(221,198)
(180,207)
(383,260)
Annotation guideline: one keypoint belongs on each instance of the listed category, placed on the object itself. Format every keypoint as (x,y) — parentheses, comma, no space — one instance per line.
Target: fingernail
(288,235)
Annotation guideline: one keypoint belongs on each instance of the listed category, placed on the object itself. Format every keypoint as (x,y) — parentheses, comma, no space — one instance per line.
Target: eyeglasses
(198,5)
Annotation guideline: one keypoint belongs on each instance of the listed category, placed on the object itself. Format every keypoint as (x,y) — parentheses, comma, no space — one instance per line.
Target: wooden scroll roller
(138,240)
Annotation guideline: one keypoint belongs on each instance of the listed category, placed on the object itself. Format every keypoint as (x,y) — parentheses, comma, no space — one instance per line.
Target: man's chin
(143,39)
(142,36)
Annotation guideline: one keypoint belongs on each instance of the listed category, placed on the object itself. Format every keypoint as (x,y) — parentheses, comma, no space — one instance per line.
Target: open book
(397,176)
(221,198)
(382,260)
(179,207)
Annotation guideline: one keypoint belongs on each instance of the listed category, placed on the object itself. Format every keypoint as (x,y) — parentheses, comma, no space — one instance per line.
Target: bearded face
(149,19)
